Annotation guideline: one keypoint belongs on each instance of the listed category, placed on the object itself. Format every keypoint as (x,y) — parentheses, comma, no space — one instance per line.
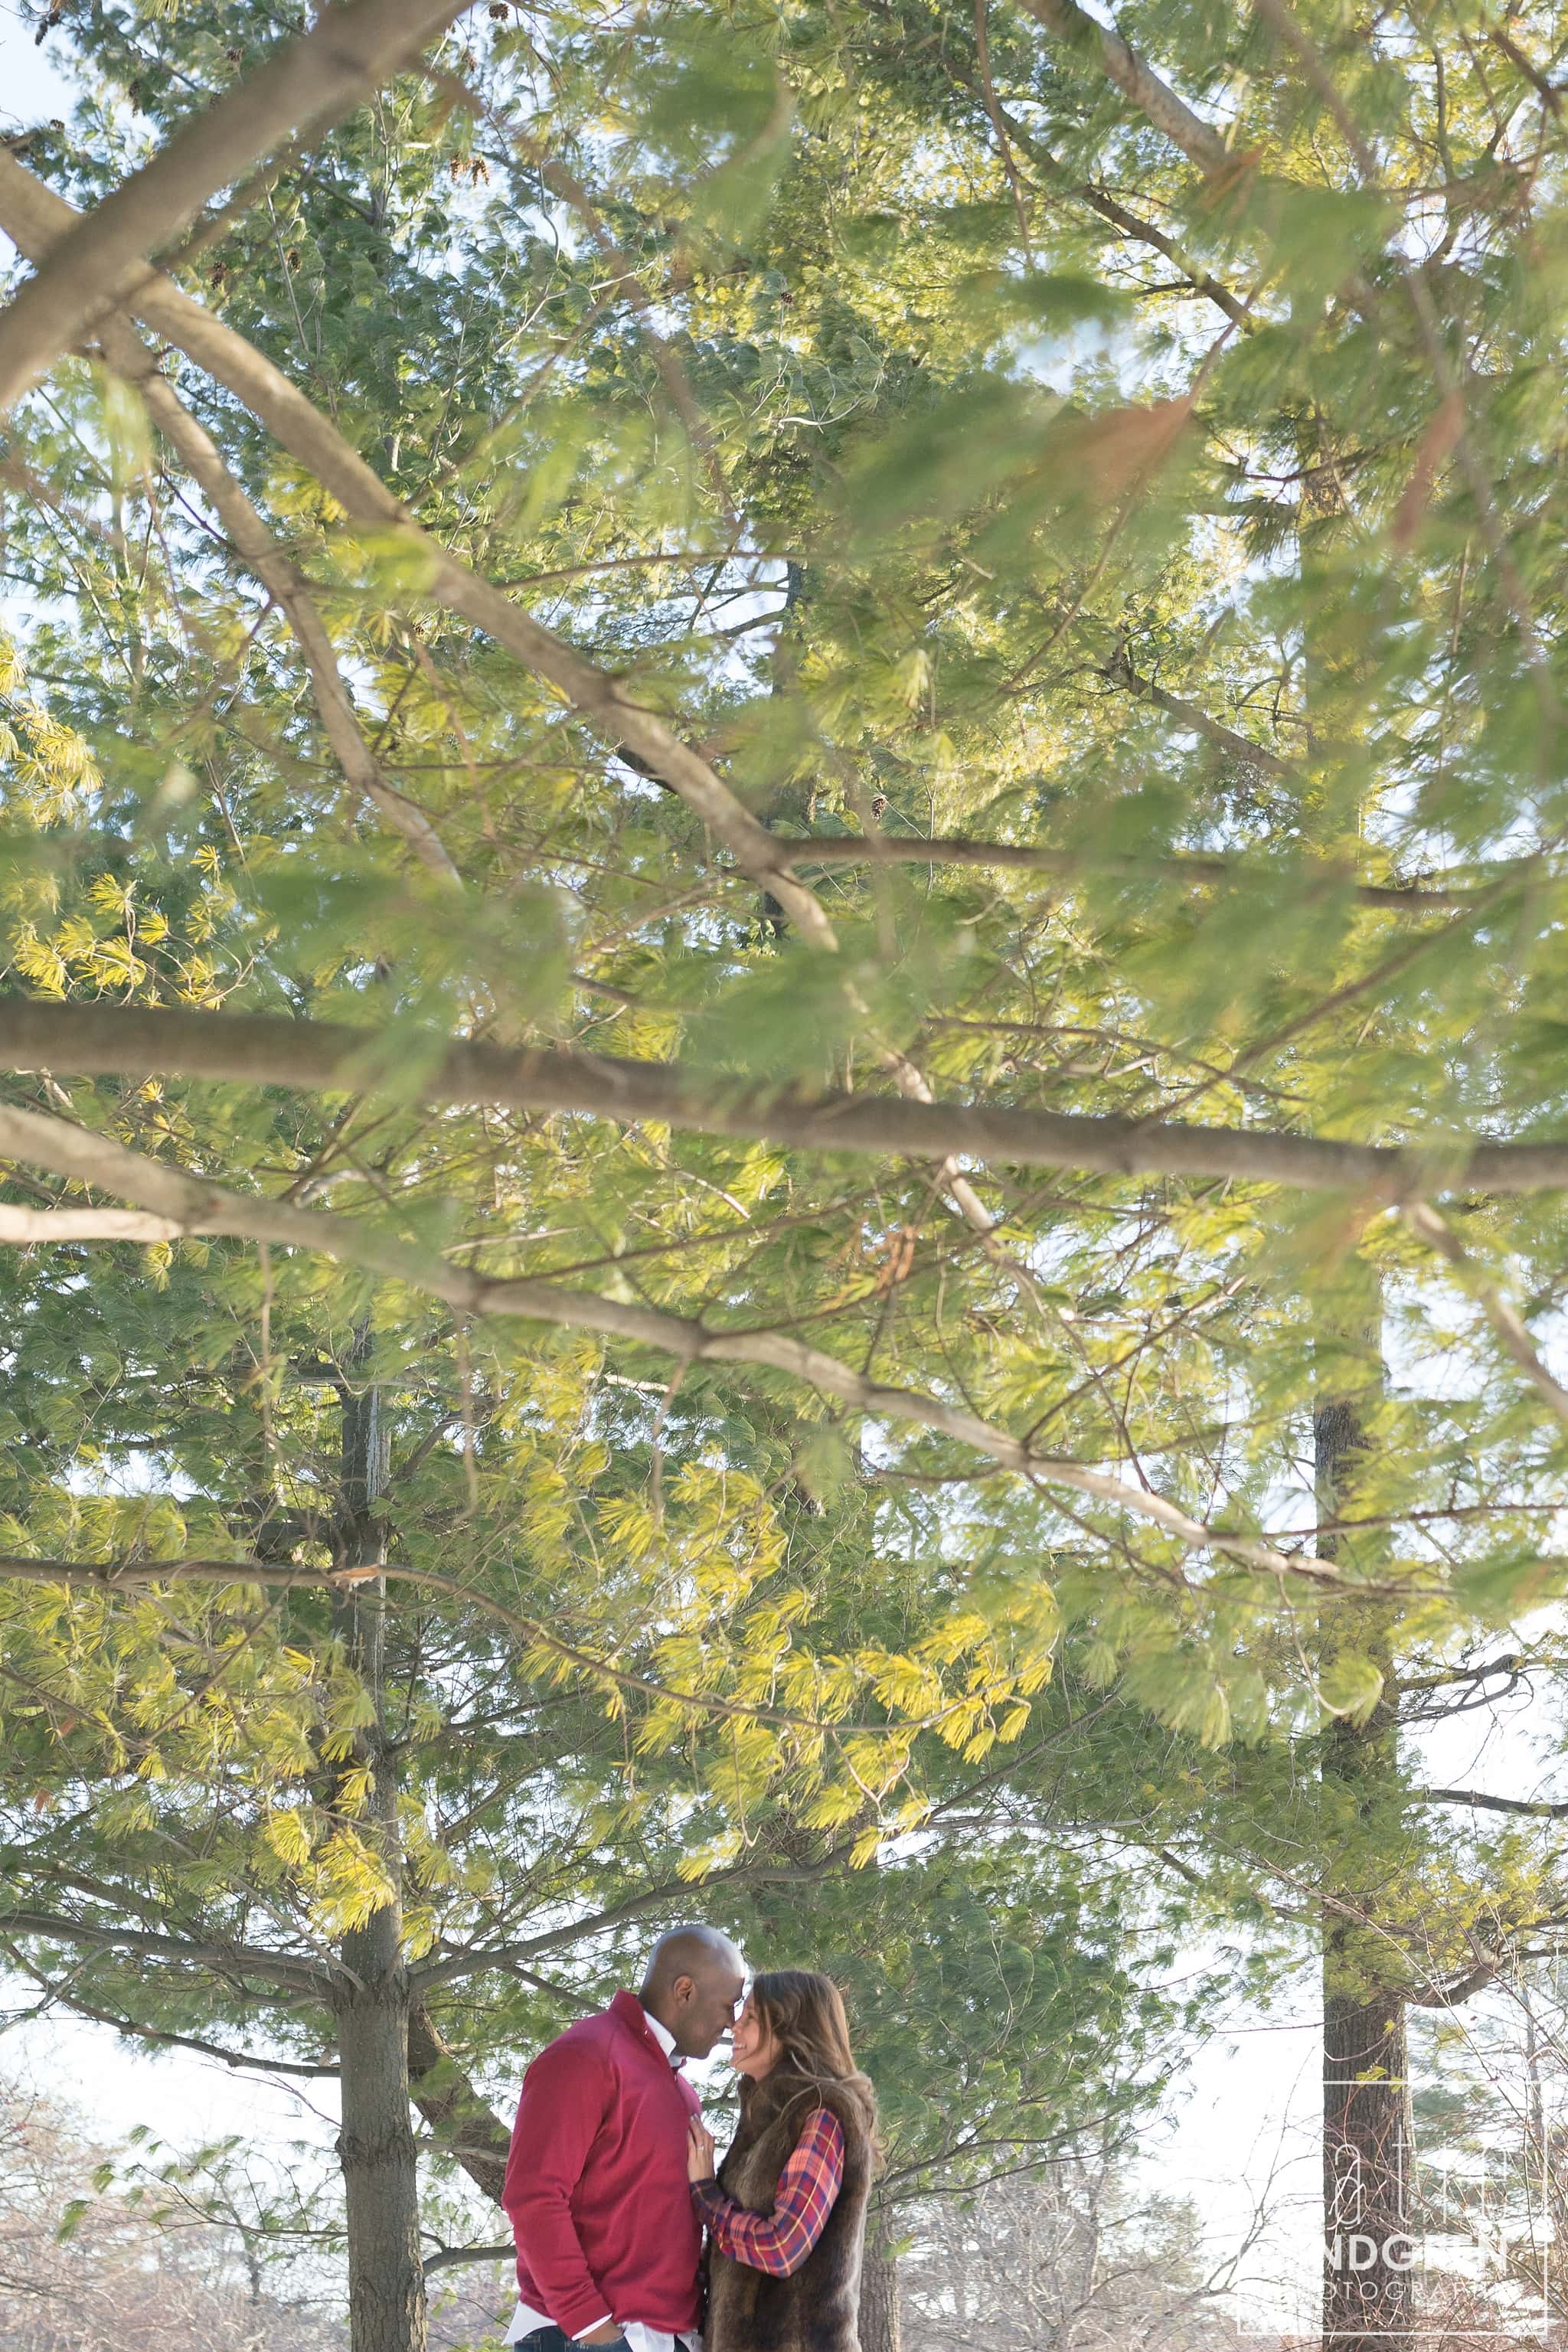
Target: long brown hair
(804,2014)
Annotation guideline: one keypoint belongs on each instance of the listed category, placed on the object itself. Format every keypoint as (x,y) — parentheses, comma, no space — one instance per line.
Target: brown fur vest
(816,2310)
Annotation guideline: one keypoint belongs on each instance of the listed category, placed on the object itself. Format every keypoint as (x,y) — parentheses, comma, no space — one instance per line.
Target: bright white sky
(1239,2128)
(30,89)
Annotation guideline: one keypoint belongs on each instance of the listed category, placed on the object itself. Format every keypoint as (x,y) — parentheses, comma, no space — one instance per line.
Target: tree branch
(36,218)
(445,2257)
(26,1227)
(30,212)
(207,1207)
(1057,179)
(162,2039)
(1509,1664)
(258,1049)
(620,1914)
(1119,671)
(1080,33)
(1536,1808)
(1143,232)
(457,2112)
(285,583)
(305,86)
(1449,1996)
(900,849)
(1504,1317)
(111,1575)
(295,1976)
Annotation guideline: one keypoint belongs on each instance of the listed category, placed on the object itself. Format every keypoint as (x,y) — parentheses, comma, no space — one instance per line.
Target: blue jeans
(555,2339)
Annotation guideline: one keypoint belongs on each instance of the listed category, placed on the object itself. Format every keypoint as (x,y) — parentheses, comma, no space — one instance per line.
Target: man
(609,2242)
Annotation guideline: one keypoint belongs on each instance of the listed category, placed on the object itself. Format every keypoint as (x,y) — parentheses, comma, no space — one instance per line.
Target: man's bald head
(694,1986)
(687,1951)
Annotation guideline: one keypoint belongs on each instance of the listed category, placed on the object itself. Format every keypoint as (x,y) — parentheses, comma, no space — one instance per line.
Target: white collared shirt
(640,2338)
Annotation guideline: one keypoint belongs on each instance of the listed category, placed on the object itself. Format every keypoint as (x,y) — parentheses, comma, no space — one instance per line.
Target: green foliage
(941,453)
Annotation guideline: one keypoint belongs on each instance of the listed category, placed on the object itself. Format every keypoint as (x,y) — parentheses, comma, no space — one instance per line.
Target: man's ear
(684,1989)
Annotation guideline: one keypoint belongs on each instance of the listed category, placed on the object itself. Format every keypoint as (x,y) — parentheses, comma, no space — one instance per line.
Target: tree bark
(459,2116)
(1368,2291)
(882,2312)
(375,2147)
(324,1056)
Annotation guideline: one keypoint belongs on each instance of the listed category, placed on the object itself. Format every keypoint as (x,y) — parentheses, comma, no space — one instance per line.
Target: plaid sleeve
(779,2241)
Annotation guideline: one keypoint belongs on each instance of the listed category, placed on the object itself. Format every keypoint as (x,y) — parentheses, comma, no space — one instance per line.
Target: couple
(610,2180)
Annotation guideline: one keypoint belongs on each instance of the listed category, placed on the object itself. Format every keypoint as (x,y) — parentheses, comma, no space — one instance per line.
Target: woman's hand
(698,2151)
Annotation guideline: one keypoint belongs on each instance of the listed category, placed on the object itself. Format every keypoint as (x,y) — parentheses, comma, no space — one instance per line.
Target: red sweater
(595,2180)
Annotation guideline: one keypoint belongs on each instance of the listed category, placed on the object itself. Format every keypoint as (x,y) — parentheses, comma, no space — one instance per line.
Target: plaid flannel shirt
(779,2241)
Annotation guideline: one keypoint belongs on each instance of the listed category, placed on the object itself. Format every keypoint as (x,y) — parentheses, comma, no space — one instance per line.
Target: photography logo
(1470,2261)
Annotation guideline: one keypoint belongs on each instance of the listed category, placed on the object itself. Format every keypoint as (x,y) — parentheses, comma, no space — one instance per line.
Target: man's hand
(698,2151)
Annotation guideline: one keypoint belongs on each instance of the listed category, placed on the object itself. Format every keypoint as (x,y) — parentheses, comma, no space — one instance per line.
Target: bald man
(607,2237)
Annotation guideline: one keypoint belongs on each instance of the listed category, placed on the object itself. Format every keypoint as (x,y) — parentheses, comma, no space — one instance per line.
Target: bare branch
(1143,232)
(457,2112)
(30,1225)
(240,1960)
(1537,1808)
(1509,1664)
(903,849)
(1449,1996)
(1119,671)
(242,2061)
(444,2257)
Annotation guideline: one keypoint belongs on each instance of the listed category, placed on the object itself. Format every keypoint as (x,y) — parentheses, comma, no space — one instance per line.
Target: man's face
(705,2004)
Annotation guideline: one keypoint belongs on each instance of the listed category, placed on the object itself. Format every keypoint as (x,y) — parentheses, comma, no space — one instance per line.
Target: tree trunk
(376,2146)
(1368,2305)
(1367,2283)
(359,1530)
(1367,2301)
(881,2315)
(460,2118)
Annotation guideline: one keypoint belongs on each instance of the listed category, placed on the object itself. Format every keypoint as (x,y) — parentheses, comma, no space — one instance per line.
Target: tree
(1062,2260)
(214,1795)
(1007,2000)
(836,1140)
(1490,2114)
(89,2260)
(989,524)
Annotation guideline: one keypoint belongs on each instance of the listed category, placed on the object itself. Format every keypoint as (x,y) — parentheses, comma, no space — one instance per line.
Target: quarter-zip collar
(647,2028)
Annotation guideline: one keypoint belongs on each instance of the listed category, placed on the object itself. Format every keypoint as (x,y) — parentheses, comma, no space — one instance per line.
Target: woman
(786,2215)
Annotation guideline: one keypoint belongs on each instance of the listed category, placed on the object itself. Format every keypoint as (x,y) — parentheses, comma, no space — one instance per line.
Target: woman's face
(752,2049)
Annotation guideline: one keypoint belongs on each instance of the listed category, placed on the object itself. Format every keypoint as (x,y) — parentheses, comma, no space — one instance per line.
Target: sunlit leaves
(1022,484)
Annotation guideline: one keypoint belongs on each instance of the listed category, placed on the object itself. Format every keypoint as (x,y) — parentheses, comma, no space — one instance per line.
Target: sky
(1237,2130)
(31,89)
